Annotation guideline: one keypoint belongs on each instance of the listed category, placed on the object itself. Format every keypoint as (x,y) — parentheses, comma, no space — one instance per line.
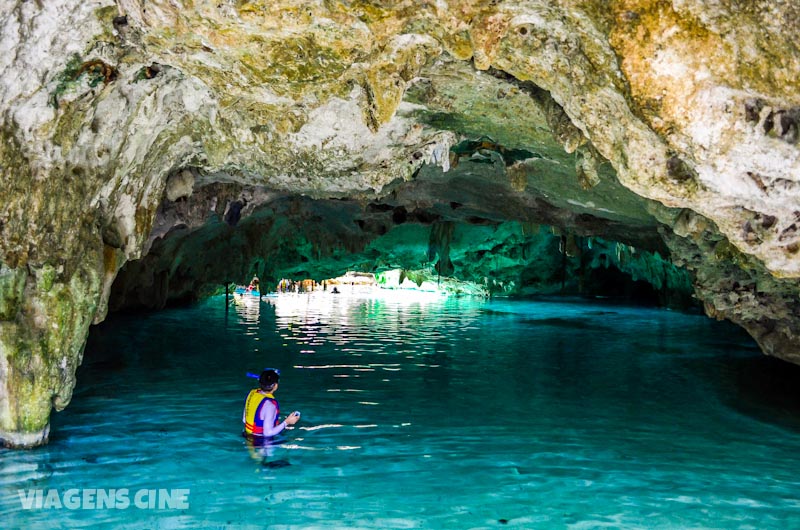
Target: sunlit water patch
(424,413)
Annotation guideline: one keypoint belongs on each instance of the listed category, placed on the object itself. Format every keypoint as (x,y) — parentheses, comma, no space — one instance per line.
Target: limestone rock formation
(133,128)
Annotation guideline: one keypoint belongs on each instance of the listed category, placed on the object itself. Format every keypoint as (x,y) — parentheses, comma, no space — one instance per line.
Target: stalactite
(439,245)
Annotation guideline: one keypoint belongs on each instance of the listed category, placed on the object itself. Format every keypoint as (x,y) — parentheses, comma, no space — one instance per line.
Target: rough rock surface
(649,122)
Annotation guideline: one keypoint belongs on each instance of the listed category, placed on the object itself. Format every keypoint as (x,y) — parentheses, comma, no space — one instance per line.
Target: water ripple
(425,413)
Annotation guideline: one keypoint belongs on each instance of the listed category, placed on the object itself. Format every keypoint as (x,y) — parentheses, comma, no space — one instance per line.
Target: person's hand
(292,418)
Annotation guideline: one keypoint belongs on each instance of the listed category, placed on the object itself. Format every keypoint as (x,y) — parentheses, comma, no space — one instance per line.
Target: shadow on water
(766,389)
(569,323)
(763,388)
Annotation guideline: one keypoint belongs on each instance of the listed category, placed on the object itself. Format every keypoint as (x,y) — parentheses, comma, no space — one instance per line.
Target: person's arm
(268,413)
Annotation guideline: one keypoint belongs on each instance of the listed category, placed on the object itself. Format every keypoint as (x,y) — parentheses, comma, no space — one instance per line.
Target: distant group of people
(289,286)
(305,286)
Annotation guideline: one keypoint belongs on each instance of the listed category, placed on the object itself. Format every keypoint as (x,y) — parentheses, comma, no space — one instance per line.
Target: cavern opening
(300,238)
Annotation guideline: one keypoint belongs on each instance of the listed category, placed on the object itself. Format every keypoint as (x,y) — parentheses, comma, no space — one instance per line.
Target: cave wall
(674,122)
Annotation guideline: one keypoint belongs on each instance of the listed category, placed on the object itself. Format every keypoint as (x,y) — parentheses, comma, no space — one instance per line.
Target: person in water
(261,416)
(253,284)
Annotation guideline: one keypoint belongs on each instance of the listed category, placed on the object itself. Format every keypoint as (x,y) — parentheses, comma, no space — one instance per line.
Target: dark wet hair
(268,378)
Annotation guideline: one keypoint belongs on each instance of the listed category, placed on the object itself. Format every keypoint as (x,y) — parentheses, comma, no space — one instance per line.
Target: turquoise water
(425,413)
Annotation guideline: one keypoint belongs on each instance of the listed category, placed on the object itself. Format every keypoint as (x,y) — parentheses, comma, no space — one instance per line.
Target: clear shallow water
(428,413)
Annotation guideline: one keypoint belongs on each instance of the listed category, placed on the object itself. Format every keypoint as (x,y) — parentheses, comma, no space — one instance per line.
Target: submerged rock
(313,131)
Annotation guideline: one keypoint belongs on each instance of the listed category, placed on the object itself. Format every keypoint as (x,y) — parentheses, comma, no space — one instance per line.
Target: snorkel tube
(257,376)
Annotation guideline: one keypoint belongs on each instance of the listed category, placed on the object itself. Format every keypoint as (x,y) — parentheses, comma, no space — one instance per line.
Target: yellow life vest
(253,424)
